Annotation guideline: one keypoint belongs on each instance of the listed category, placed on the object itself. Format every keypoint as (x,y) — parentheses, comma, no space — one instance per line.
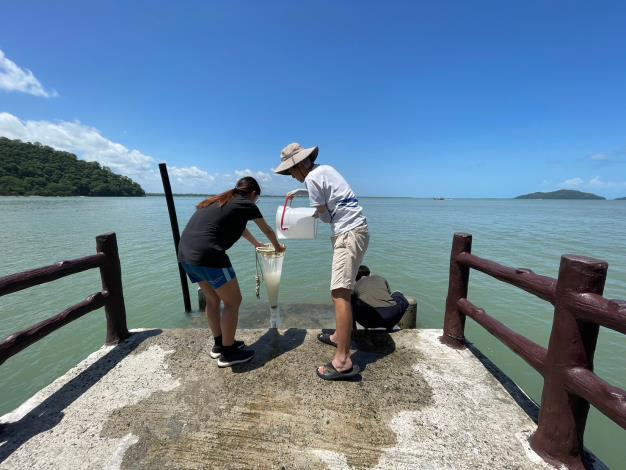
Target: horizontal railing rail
(528,350)
(22,339)
(111,297)
(608,399)
(24,280)
(570,385)
(595,308)
(541,286)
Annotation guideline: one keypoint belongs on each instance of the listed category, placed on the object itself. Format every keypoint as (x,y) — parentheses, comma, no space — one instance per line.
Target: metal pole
(175,232)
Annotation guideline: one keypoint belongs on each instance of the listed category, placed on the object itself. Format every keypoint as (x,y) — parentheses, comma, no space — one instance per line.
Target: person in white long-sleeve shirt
(337,205)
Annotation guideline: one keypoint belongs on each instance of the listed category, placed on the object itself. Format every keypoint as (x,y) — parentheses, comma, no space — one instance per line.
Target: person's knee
(212,301)
(233,302)
(341,294)
(210,297)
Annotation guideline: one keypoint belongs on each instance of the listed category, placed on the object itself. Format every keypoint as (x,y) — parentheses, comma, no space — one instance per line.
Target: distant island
(561,194)
(37,170)
(621,199)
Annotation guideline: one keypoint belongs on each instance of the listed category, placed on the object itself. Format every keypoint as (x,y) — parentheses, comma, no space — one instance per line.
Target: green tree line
(37,170)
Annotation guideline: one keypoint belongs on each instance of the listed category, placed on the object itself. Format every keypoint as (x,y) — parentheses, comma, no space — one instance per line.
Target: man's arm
(322,213)
(318,200)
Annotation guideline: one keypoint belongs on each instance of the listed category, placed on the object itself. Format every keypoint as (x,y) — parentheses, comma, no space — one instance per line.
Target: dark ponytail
(245,186)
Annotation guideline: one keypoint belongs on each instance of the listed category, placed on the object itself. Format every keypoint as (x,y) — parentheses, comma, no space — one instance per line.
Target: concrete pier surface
(159,401)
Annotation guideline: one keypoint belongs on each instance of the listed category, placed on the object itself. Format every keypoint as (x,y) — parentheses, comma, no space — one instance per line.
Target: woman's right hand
(281,248)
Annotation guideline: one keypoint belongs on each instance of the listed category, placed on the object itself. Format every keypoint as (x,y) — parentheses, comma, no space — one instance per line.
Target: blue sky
(456,99)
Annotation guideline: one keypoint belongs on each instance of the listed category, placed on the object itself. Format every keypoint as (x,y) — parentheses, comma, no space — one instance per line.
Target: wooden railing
(111,297)
(567,364)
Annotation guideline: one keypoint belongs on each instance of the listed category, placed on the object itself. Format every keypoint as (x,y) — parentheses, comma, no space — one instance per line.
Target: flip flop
(325,338)
(330,373)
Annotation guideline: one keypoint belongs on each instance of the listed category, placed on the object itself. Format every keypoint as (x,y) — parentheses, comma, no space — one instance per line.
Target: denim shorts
(217,277)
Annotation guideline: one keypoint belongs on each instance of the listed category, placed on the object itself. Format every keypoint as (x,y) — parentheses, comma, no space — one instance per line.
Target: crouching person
(373,303)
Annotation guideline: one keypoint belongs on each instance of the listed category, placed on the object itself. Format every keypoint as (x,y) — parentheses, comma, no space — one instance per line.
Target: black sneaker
(217,350)
(231,357)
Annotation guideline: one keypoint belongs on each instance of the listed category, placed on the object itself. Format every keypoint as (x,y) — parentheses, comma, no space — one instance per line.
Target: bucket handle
(288,199)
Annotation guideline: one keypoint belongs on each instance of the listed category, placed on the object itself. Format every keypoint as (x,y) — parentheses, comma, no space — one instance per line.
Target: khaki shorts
(348,251)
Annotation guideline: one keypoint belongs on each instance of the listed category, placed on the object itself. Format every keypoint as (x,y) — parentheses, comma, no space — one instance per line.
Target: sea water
(410,243)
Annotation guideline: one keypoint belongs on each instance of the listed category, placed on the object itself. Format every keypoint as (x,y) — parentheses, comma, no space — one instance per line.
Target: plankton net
(271,264)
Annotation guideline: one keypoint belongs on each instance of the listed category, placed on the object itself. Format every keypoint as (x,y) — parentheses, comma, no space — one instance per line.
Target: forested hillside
(561,194)
(33,169)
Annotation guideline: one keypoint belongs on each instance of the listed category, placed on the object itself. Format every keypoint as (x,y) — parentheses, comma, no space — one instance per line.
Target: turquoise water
(410,246)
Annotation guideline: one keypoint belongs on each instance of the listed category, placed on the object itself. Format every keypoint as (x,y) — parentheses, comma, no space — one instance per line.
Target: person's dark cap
(363,271)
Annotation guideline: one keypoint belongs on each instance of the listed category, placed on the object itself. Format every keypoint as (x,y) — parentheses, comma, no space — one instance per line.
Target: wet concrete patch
(273,411)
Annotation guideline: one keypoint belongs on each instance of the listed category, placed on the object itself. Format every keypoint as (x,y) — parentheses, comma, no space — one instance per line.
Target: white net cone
(272,267)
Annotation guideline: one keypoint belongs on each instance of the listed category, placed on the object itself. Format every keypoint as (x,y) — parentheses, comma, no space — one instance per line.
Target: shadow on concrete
(530,407)
(523,401)
(371,345)
(271,345)
(49,413)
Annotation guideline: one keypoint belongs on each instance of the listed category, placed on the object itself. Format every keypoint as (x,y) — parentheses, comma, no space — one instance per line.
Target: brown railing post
(562,419)
(111,274)
(454,321)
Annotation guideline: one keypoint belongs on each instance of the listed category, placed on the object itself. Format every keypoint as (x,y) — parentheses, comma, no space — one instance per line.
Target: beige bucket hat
(292,155)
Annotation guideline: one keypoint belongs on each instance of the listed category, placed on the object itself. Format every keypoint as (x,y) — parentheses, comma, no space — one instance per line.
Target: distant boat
(439,198)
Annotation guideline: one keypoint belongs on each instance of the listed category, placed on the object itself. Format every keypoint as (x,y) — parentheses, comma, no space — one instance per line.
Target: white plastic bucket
(295,223)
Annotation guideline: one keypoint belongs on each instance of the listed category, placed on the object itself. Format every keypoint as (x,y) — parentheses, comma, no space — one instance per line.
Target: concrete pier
(159,401)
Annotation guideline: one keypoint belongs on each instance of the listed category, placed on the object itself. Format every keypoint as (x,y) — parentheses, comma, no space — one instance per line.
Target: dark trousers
(381,317)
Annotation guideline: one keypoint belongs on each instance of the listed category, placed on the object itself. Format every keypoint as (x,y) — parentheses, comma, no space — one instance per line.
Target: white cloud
(571,183)
(594,184)
(191,172)
(89,144)
(14,78)
(600,157)
(192,179)
(598,183)
(258,175)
